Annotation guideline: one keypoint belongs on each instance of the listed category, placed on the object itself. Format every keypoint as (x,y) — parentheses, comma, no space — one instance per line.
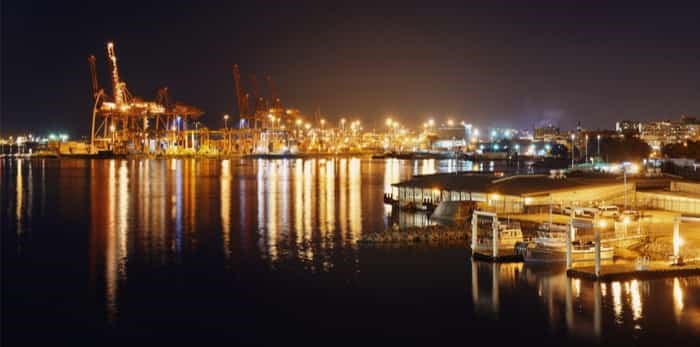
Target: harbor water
(243,251)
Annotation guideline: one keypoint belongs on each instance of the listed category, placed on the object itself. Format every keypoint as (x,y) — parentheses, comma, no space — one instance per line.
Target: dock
(622,272)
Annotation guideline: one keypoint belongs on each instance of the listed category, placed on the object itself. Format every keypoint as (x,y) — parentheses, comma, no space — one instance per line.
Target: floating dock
(621,272)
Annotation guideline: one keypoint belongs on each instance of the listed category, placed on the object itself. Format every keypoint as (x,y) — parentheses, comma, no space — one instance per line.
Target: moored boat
(550,247)
(509,234)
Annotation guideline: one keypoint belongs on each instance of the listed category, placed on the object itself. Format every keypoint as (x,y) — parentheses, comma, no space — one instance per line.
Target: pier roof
(520,185)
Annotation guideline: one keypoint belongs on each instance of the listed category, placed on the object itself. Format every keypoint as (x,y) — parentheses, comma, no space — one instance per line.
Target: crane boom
(93,75)
(116,83)
(242,109)
(273,92)
(254,82)
(259,100)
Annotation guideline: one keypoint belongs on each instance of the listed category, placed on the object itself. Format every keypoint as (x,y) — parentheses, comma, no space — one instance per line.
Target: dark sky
(492,63)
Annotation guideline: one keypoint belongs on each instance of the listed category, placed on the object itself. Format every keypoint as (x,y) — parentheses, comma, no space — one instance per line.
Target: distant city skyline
(497,64)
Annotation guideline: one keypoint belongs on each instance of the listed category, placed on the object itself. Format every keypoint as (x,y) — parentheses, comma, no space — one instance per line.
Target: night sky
(492,63)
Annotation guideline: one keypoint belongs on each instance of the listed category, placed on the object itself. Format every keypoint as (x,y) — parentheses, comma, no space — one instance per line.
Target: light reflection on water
(587,311)
(304,212)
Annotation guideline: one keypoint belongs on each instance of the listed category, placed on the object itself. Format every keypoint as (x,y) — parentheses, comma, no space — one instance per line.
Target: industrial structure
(126,124)
(122,122)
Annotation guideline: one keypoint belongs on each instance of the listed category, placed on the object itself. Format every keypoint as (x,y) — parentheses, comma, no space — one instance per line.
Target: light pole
(598,145)
(226,121)
(573,137)
(113,129)
(586,147)
(624,170)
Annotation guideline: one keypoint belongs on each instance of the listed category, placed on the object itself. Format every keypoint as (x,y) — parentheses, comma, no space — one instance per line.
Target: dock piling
(494,232)
(568,240)
(597,252)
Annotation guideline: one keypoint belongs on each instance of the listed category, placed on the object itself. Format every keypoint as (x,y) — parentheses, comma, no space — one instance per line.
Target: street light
(586,147)
(573,137)
(112,129)
(226,121)
(624,172)
(598,145)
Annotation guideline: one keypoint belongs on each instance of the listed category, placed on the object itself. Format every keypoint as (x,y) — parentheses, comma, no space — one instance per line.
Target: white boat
(550,247)
(509,234)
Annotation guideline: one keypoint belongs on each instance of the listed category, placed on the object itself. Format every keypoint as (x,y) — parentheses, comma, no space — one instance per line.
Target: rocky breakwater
(432,233)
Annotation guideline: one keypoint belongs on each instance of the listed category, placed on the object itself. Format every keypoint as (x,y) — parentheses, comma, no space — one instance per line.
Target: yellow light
(388,121)
(602,224)
(634,169)
(626,220)
(298,122)
(495,197)
(450,122)
(112,128)
(677,243)
(677,298)
(528,201)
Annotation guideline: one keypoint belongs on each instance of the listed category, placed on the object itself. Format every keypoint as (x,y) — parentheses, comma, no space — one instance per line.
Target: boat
(579,253)
(509,234)
(550,247)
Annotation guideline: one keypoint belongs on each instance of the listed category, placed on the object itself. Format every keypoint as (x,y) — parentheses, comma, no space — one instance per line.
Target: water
(207,252)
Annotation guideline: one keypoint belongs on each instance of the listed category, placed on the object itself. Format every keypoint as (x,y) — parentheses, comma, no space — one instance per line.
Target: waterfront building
(547,133)
(660,133)
(629,127)
(450,136)
(536,193)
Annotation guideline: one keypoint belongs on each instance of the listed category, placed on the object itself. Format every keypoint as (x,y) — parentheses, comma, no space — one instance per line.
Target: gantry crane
(241,98)
(125,118)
